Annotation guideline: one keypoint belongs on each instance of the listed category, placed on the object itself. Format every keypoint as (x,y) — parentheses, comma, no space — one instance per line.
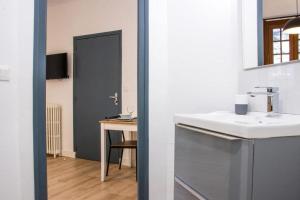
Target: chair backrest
(108,131)
(109,137)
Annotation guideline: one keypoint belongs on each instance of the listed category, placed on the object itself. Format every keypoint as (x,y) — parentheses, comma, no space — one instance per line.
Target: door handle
(115,98)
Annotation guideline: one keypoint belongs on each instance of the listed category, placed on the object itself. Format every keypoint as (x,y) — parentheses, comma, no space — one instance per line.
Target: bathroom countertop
(250,126)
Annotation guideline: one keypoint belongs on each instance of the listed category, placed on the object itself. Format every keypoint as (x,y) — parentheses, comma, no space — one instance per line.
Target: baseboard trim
(70,154)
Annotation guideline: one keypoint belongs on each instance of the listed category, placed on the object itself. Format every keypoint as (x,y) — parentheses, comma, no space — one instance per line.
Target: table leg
(103,153)
(131,135)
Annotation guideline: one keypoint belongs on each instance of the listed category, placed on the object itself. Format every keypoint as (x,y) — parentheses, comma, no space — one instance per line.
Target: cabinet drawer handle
(189,189)
(214,134)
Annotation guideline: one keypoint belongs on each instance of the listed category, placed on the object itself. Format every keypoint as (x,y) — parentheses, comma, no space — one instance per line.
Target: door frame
(39,100)
(89,36)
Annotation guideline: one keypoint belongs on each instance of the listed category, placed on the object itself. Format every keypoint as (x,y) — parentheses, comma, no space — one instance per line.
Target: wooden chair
(129,144)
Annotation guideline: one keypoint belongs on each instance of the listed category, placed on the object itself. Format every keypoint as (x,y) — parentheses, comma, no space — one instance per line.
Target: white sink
(252,125)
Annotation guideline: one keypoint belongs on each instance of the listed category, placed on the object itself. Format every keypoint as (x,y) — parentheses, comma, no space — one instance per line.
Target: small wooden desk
(116,125)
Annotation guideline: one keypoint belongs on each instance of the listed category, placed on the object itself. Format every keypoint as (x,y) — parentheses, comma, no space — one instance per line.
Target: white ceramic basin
(252,125)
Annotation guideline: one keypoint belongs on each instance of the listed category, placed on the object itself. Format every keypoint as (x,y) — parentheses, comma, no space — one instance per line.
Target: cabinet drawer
(217,166)
(184,192)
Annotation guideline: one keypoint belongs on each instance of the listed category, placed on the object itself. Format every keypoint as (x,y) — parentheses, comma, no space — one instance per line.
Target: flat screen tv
(57,66)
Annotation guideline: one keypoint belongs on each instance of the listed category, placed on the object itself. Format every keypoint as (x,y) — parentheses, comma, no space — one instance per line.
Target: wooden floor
(75,179)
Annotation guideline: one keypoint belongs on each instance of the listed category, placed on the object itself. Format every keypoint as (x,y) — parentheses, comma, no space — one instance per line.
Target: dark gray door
(97,77)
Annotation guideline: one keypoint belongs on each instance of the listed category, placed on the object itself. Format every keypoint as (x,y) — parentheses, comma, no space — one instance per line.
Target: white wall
(285,76)
(279,8)
(200,74)
(249,30)
(16,149)
(69,18)
(159,116)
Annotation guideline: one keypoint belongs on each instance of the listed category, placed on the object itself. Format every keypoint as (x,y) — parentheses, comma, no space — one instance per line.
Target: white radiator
(54,129)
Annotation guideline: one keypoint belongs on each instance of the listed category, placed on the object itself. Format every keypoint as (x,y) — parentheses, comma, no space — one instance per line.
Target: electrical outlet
(4,73)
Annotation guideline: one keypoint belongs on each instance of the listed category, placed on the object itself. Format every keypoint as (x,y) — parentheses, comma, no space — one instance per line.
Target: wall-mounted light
(293,25)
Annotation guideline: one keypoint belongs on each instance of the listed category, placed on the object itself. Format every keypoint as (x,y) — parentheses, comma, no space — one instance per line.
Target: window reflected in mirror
(264,42)
(279,47)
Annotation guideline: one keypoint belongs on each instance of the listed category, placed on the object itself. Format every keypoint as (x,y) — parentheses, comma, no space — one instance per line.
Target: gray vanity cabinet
(215,166)
(276,171)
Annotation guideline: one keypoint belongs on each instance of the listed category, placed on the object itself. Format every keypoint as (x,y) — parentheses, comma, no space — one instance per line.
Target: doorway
(39,76)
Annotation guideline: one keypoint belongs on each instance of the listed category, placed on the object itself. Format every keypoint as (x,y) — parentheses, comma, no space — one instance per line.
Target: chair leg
(120,164)
(108,160)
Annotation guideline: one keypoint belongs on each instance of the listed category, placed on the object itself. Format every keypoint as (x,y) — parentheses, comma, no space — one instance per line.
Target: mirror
(264,42)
